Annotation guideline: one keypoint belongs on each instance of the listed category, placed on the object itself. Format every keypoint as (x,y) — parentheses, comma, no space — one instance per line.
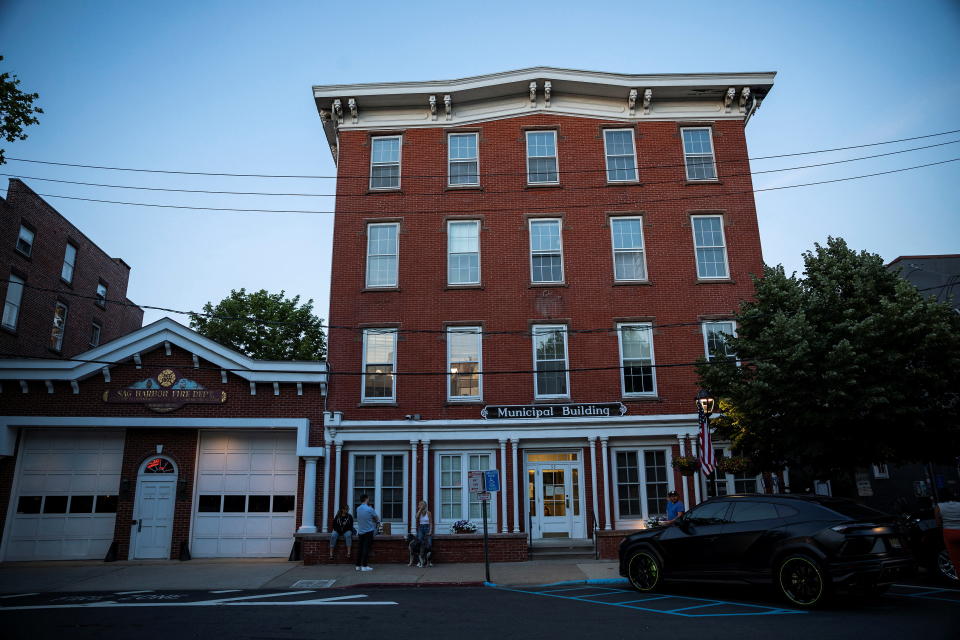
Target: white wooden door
(154,516)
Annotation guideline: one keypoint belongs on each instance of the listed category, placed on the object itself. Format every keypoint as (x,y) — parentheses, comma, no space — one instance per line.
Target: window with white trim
(95,330)
(710,245)
(463,164)
(379,364)
(721,484)
(551,378)
(629,263)
(385,162)
(382,254)
(11,304)
(59,326)
(636,359)
(546,250)
(698,153)
(715,339)
(463,252)
(642,482)
(542,157)
(69,260)
(464,362)
(101,294)
(25,241)
(381,476)
(621,155)
(456,502)
(880,471)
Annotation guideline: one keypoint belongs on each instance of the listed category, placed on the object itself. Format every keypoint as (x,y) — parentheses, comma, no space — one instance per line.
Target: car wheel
(802,581)
(644,570)
(945,568)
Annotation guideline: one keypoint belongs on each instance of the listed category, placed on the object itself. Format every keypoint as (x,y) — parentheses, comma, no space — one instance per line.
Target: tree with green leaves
(845,366)
(263,325)
(16,110)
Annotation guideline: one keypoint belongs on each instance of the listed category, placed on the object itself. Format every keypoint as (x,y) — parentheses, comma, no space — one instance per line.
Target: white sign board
(475,481)
(484,496)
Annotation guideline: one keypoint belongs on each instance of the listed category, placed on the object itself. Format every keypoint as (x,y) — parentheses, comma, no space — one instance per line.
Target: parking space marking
(18,595)
(162,600)
(126,593)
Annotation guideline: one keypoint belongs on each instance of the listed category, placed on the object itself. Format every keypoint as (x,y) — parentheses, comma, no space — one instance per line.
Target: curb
(569,582)
(407,585)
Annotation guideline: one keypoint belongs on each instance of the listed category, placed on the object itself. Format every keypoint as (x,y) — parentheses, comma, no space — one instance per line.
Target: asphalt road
(919,612)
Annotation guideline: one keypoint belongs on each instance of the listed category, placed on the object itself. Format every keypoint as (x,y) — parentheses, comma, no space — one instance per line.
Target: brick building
(553,248)
(57,285)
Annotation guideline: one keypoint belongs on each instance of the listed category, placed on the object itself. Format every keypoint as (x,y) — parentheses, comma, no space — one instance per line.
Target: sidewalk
(18,577)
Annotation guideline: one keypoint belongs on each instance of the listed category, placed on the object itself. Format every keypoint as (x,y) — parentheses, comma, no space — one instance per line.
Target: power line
(315,177)
(508,209)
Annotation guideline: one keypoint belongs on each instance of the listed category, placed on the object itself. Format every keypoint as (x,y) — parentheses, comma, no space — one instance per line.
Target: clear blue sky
(226,86)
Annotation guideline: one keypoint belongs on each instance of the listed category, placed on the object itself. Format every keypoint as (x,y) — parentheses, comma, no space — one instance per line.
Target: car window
(851,509)
(750,511)
(786,512)
(708,513)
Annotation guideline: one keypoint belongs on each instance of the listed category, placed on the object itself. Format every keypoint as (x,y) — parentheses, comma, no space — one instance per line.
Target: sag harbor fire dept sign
(579,410)
(165,392)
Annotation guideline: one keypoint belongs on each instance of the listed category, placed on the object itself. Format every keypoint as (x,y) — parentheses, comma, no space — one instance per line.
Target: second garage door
(246,494)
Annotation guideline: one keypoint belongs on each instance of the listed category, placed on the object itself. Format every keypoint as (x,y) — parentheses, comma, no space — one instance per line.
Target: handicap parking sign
(491,480)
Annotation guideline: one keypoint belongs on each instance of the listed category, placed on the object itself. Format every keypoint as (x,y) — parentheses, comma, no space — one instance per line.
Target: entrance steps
(562,549)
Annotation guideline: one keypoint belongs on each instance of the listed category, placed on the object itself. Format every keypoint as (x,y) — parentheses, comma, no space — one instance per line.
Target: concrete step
(555,553)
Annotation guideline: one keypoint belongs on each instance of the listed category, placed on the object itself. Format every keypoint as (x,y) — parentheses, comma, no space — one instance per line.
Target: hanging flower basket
(732,464)
(686,465)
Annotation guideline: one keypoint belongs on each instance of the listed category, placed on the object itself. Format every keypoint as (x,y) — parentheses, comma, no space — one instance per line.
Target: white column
(593,477)
(337,461)
(518,490)
(606,481)
(326,486)
(786,480)
(413,490)
(503,485)
(698,478)
(308,521)
(426,485)
(683,478)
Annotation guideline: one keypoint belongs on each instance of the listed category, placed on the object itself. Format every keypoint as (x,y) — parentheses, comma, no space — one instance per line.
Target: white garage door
(246,494)
(65,501)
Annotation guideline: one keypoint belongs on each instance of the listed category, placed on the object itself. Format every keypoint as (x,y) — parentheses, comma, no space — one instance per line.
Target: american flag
(707,461)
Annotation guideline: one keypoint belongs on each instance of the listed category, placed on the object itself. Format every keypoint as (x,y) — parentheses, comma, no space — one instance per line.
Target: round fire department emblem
(166,378)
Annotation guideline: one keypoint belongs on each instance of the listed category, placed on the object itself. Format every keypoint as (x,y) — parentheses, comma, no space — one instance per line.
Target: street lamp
(706,402)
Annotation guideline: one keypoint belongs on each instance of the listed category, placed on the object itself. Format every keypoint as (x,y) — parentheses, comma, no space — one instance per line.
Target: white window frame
(705,326)
(15,286)
(102,297)
(607,156)
(67,262)
(56,340)
(475,160)
(21,237)
(555,156)
(642,250)
(881,471)
(96,330)
(687,156)
(648,327)
(377,502)
(396,255)
(541,329)
(730,479)
(640,451)
(559,223)
(696,247)
(450,224)
(465,495)
(478,331)
(393,364)
(398,163)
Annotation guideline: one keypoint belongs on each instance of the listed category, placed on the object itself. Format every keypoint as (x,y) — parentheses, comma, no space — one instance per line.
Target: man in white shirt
(367,520)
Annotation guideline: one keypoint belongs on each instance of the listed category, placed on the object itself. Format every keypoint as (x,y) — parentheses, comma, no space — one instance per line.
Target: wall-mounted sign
(166,392)
(581,410)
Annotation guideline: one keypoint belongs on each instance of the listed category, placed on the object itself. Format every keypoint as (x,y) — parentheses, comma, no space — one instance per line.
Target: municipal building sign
(550,411)
(165,392)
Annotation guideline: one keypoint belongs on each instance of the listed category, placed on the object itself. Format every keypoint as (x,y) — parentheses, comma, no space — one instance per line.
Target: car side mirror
(684,524)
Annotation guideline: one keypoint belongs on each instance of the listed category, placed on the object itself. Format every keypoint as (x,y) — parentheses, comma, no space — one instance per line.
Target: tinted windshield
(852,510)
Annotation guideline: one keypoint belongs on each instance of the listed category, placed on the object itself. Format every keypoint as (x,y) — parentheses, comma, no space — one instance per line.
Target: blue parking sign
(491,480)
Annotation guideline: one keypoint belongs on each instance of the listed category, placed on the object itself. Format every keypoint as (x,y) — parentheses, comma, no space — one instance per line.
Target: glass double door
(554,495)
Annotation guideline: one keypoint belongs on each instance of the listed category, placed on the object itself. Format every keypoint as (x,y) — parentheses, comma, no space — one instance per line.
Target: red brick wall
(503,547)
(43,268)
(608,543)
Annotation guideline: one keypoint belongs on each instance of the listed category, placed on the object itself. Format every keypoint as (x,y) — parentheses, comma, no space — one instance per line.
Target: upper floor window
(463,252)
(101,294)
(546,251)
(542,157)
(715,335)
(628,255)
(463,164)
(69,259)
(382,250)
(698,154)
(621,155)
(636,359)
(385,162)
(25,241)
(59,326)
(95,330)
(379,364)
(551,379)
(710,246)
(463,363)
(11,304)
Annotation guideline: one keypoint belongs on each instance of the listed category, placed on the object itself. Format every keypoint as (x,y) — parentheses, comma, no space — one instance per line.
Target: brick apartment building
(553,248)
(57,285)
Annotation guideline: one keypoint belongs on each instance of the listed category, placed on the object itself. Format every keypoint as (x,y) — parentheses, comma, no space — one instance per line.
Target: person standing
(342,528)
(675,508)
(367,521)
(424,530)
(947,514)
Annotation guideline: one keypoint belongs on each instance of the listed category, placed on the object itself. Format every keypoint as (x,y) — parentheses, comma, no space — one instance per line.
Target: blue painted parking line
(926,593)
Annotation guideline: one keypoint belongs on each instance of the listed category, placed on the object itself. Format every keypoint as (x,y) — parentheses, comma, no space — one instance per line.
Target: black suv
(807,546)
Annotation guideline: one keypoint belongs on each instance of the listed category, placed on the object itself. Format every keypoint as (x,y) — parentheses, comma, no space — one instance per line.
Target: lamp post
(705,406)
(706,402)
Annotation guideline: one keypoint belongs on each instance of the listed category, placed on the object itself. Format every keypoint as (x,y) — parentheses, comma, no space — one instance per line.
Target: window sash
(101,294)
(464,357)
(629,257)
(542,166)
(456,502)
(643,479)
(712,339)
(12,302)
(95,331)
(385,162)
(379,365)
(711,247)
(621,162)
(546,250)
(59,326)
(25,241)
(463,163)
(69,260)
(383,240)
(382,476)
(637,374)
(463,252)
(722,484)
(698,154)
(551,378)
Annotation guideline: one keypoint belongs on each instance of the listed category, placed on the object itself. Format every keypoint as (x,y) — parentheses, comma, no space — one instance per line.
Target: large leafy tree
(263,325)
(845,366)
(16,110)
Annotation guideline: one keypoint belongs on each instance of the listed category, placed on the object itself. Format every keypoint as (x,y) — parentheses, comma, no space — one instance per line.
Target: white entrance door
(153,512)
(554,491)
